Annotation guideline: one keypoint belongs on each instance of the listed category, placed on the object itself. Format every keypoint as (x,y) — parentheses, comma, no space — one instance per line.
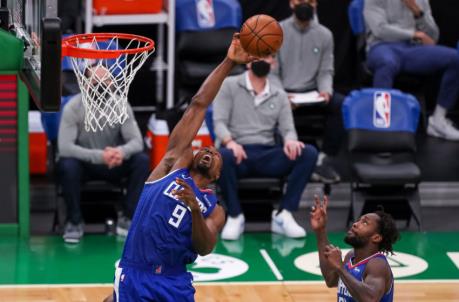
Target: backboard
(37,24)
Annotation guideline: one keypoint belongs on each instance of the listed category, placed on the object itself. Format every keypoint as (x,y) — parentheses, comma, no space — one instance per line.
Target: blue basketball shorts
(134,285)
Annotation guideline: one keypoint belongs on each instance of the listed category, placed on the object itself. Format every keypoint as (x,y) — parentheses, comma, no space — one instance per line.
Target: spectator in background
(112,154)
(247,111)
(305,63)
(401,37)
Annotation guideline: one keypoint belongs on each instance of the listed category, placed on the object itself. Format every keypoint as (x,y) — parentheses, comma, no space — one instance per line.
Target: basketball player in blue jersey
(177,217)
(365,274)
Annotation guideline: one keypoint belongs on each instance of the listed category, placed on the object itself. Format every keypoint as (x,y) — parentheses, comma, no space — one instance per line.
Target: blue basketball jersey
(160,233)
(357,270)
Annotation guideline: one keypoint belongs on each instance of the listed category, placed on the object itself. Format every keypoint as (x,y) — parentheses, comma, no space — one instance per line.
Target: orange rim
(70,45)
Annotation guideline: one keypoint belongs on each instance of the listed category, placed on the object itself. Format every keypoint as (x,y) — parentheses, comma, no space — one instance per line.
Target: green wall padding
(12,52)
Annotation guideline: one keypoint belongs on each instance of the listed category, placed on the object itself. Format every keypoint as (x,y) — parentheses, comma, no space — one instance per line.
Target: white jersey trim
(116,286)
(170,173)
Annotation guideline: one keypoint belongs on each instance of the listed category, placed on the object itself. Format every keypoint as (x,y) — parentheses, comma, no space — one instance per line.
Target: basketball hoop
(105,65)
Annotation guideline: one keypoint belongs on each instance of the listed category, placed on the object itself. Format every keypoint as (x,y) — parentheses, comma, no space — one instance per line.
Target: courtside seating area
(374,157)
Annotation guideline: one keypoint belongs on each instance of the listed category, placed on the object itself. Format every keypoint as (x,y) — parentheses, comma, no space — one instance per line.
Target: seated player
(365,274)
(177,217)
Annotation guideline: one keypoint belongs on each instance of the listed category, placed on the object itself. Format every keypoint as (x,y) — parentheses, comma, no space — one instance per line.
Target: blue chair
(357,23)
(190,16)
(381,126)
(210,122)
(355,15)
(203,36)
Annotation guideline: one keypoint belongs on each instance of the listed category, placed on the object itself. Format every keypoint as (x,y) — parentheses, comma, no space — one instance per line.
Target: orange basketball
(261,35)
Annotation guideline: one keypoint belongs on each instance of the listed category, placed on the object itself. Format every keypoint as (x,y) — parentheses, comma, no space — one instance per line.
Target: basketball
(261,35)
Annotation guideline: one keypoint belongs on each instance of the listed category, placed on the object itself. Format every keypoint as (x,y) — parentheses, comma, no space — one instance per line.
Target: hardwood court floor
(234,292)
(250,269)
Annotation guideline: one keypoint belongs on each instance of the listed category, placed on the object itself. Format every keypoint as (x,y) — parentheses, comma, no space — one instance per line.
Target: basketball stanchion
(105,65)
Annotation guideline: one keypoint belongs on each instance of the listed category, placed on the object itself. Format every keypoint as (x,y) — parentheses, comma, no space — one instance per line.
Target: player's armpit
(170,162)
(163,168)
(188,126)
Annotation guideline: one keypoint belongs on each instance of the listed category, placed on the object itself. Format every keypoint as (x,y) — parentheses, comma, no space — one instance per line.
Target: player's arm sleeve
(131,135)
(222,109)
(427,23)
(285,122)
(326,68)
(376,19)
(67,135)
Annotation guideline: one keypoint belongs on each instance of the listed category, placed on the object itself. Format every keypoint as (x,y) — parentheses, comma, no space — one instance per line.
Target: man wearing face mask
(306,64)
(248,111)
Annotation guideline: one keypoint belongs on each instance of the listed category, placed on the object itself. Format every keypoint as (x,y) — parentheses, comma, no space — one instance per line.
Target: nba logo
(205,13)
(381,109)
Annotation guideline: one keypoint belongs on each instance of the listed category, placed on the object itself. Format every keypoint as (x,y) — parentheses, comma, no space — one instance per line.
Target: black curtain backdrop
(333,15)
(446,14)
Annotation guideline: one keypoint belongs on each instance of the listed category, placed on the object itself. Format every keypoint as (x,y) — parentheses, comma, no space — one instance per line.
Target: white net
(104,83)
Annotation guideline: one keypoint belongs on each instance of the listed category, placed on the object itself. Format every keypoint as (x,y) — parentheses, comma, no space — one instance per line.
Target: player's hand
(424,38)
(237,54)
(238,151)
(186,194)
(293,148)
(319,214)
(334,256)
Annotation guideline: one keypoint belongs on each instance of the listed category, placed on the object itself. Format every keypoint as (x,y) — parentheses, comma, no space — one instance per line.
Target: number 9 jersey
(160,233)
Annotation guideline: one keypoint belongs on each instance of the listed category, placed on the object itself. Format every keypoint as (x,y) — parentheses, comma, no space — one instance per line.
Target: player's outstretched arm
(318,222)
(178,152)
(376,281)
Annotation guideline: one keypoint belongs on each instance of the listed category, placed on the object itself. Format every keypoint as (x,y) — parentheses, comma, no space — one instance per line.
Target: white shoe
(233,228)
(284,223)
(442,128)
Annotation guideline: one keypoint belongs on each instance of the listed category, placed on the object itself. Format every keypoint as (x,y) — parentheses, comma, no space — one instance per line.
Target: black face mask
(304,12)
(261,68)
